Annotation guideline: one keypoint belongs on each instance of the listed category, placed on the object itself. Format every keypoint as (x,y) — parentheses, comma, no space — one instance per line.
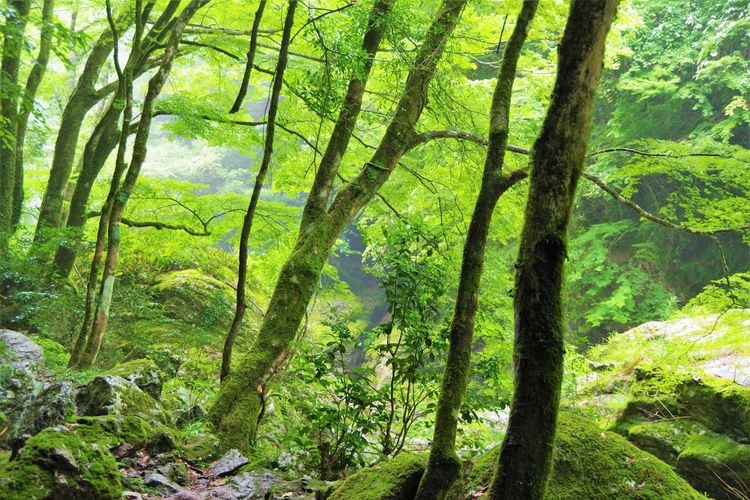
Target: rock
(21,353)
(132,495)
(395,479)
(185,495)
(125,434)
(112,395)
(161,483)
(195,412)
(721,405)
(57,463)
(201,448)
(227,464)
(191,296)
(142,372)
(176,472)
(52,406)
(254,485)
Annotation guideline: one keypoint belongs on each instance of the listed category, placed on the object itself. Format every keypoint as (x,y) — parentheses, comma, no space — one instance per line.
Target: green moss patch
(396,479)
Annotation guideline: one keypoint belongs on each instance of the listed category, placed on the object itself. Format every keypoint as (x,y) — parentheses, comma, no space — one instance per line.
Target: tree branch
(156,225)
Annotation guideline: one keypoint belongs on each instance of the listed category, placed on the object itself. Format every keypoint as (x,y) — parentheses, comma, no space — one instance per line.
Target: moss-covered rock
(29,415)
(142,372)
(112,395)
(193,297)
(721,405)
(396,479)
(589,463)
(56,464)
(124,433)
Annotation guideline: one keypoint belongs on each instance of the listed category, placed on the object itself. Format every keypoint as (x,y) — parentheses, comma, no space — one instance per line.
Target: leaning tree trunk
(247,221)
(15,24)
(83,98)
(100,318)
(238,405)
(100,145)
(27,103)
(526,456)
(250,58)
(443,466)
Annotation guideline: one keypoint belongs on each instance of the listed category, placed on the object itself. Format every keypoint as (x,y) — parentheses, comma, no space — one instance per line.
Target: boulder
(395,479)
(21,369)
(191,296)
(142,372)
(112,395)
(57,463)
(53,406)
(227,464)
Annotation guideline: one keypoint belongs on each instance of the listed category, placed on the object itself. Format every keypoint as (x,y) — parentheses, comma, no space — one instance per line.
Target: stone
(21,353)
(53,406)
(176,472)
(142,372)
(227,464)
(201,448)
(58,463)
(254,485)
(113,395)
(162,483)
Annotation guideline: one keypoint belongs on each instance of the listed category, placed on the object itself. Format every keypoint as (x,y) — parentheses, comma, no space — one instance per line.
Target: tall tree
(557,163)
(27,103)
(238,405)
(443,466)
(95,323)
(17,15)
(247,221)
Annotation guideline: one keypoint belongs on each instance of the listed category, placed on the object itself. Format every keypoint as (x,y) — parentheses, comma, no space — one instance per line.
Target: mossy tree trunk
(80,102)
(237,407)
(443,467)
(247,222)
(558,155)
(13,41)
(27,103)
(97,315)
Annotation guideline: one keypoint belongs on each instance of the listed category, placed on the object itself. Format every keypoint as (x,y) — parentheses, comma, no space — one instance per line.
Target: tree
(238,405)
(443,466)
(13,40)
(557,163)
(97,307)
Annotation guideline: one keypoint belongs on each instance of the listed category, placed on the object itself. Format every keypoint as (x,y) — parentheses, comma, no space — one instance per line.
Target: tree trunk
(100,318)
(27,103)
(98,148)
(15,24)
(237,408)
(526,457)
(83,98)
(247,222)
(443,466)
(250,58)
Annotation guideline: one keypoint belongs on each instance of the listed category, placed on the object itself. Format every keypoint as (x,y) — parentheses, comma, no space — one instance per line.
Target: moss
(717,465)
(396,479)
(665,439)
(57,463)
(111,395)
(115,430)
(142,372)
(721,405)
(589,463)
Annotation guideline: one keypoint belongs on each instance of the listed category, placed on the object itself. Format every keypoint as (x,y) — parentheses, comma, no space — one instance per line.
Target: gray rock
(254,485)
(112,395)
(144,373)
(54,405)
(21,353)
(157,480)
(184,495)
(227,464)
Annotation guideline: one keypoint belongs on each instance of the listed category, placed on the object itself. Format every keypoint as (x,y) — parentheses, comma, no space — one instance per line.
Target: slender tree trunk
(526,456)
(247,222)
(98,148)
(443,466)
(27,103)
(237,408)
(250,58)
(83,98)
(100,319)
(15,24)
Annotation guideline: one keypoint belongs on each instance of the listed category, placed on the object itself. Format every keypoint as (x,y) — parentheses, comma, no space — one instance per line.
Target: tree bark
(558,155)
(247,222)
(27,104)
(250,58)
(100,145)
(15,24)
(83,98)
(443,466)
(237,408)
(100,319)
